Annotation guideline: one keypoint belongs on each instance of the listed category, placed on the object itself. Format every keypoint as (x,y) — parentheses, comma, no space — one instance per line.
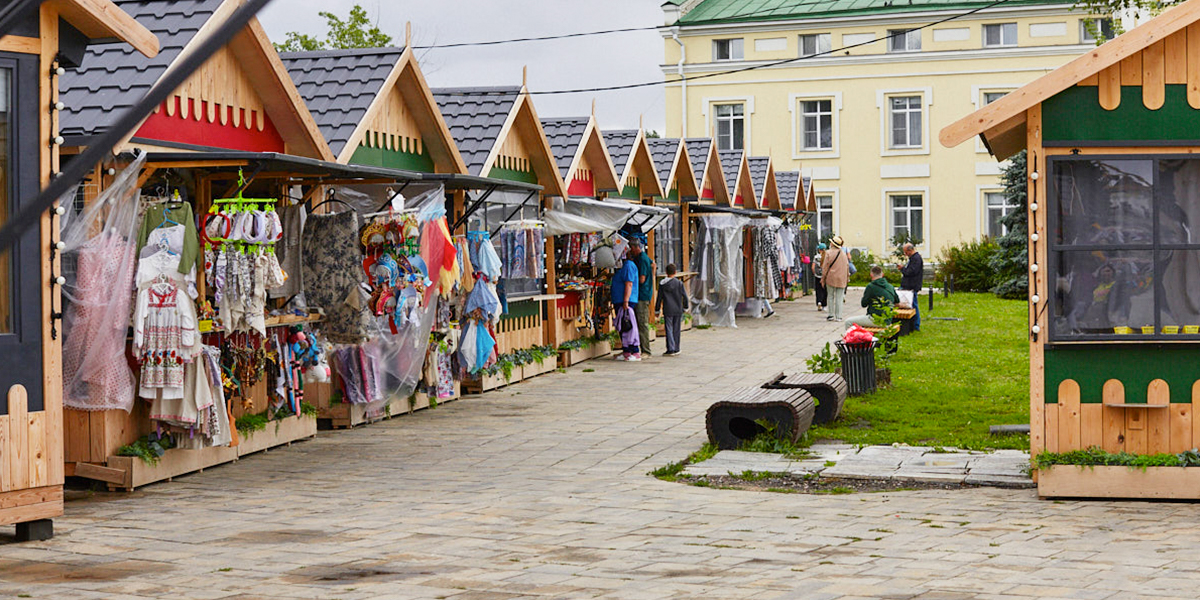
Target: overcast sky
(593,61)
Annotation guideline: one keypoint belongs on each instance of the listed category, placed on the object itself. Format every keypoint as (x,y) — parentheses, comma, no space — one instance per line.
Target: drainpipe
(683,82)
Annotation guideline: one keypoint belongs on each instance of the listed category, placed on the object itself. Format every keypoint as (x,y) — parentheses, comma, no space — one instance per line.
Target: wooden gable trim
(715,176)
(812,197)
(100,19)
(640,162)
(745,183)
(685,180)
(770,191)
(533,139)
(1092,63)
(407,80)
(592,147)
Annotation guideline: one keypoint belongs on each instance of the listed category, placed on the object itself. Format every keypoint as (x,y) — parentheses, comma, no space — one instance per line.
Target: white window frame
(1004,27)
(977,100)
(833,211)
(908,37)
(708,111)
(885,202)
(984,208)
(1084,36)
(798,151)
(883,104)
(732,118)
(824,44)
(729,46)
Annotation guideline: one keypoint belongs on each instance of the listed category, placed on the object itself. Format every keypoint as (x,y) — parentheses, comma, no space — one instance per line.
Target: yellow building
(852,92)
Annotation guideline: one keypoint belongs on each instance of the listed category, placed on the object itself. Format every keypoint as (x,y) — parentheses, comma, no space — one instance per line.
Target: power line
(777,63)
(609,31)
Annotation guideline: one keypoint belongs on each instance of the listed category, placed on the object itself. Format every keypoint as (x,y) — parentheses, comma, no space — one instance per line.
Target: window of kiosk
(509,207)
(1124,248)
(7,285)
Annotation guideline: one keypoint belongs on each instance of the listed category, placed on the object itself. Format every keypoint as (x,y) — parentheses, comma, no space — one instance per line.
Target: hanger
(331,197)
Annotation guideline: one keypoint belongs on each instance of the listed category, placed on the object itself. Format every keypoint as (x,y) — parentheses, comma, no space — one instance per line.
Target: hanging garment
(289,251)
(440,257)
(164,335)
(180,214)
(332,265)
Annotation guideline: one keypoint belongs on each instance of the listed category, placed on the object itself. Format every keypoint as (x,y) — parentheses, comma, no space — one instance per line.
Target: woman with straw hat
(835,275)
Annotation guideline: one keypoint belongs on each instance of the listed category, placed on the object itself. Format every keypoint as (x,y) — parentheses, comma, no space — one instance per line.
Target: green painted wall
(1075,115)
(630,192)
(393,159)
(512,175)
(522,308)
(1134,365)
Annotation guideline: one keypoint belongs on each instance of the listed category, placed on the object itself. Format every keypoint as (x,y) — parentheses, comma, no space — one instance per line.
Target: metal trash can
(858,366)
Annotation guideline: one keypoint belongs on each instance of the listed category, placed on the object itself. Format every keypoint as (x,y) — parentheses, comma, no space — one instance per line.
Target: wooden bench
(904,316)
(829,390)
(731,420)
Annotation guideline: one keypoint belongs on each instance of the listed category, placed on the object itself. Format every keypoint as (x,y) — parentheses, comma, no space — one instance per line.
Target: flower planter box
(568,358)
(533,369)
(486,383)
(1152,483)
(662,331)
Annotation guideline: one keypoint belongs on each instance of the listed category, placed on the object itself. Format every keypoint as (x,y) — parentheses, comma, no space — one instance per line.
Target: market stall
(798,234)
(735,167)
(675,169)
(31,398)
(1114,324)
(763,180)
(499,136)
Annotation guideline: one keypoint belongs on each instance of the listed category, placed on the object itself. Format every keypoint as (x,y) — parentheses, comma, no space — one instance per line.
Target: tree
(1011,263)
(356,31)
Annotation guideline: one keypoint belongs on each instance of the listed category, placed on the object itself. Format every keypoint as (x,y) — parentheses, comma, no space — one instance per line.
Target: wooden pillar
(52,374)
(1037,281)
(685,235)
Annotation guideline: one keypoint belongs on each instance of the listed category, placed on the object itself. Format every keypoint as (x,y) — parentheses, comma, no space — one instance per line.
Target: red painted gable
(200,132)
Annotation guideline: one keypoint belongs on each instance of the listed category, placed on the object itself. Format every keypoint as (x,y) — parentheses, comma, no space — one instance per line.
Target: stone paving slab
(1003,468)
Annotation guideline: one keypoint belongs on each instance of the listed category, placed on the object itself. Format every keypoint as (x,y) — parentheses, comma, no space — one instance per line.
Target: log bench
(731,420)
(829,390)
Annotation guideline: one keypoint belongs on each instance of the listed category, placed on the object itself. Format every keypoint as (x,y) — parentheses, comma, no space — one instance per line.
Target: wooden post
(1039,425)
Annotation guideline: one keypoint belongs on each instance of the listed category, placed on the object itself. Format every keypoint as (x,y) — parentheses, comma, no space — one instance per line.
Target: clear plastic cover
(586,216)
(99,262)
(717,289)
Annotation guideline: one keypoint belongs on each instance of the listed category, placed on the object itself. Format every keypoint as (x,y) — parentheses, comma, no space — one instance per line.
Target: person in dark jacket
(878,295)
(672,301)
(911,275)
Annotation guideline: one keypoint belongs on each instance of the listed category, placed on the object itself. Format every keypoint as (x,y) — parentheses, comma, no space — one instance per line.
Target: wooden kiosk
(1114,311)
(679,181)
(31,411)
(762,177)
(736,168)
(499,136)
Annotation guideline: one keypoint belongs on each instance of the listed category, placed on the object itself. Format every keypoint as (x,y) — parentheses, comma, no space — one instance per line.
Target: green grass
(950,381)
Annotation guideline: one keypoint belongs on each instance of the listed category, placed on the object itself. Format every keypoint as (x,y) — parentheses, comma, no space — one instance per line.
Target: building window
(999,34)
(990,97)
(1093,29)
(1122,248)
(905,115)
(730,126)
(904,40)
(730,49)
(816,124)
(998,206)
(824,216)
(815,43)
(908,216)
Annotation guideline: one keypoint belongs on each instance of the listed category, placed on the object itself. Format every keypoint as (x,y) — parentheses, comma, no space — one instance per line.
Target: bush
(970,265)
(863,261)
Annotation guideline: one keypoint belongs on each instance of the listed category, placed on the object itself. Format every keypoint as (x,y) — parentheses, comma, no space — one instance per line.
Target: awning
(584,215)
(277,165)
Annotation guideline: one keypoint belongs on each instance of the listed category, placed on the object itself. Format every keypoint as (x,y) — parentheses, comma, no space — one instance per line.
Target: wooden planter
(129,472)
(568,358)
(1151,483)
(341,415)
(662,331)
(533,369)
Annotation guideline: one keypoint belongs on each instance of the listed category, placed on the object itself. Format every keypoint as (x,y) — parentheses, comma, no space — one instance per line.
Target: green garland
(149,448)
(1097,457)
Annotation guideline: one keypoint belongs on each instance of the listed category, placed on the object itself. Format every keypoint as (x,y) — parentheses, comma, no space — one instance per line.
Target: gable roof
(698,151)
(620,148)
(674,165)
(809,198)
(742,11)
(339,86)
(112,77)
(731,166)
(1002,123)
(759,165)
(627,147)
(476,116)
(664,151)
(790,191)
(565,136)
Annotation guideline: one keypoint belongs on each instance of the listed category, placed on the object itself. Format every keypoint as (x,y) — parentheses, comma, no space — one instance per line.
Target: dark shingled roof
(339,85)
(805,188)
(565,135)
(620,147)
(731,161)
(789,188)
(758,173)
(475,117)
(114,76)
(698,149)
(663,151)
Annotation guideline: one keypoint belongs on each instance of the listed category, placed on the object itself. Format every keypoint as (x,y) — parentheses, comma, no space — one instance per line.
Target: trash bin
(858,366)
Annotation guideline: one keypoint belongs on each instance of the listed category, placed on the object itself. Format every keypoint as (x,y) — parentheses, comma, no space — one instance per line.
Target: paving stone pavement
(541,492)
(1004,468)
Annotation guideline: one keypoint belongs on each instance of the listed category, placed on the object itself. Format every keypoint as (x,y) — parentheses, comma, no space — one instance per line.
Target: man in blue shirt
(645,268)
(624,297)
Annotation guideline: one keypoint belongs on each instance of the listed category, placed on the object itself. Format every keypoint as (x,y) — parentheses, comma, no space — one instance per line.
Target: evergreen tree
(1011,263)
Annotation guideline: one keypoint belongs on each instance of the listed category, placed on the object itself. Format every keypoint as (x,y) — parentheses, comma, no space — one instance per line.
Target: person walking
(835,268)
(877,297)
(672,301)
(624,298)
(645,279)
(821,293)
(912,274)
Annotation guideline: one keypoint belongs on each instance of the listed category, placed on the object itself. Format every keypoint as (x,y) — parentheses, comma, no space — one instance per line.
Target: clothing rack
(381,213)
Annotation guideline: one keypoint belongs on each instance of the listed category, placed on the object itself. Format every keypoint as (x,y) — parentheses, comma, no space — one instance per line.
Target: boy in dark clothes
(672,301)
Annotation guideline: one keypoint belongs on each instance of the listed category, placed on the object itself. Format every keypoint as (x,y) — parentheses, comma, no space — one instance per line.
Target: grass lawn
(950,381)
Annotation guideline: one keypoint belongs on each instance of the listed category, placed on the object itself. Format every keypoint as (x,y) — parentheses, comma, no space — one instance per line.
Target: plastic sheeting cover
(586,216)
(717,290)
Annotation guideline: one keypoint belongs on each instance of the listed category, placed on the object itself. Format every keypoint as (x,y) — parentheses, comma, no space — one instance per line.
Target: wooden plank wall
(1168,61)
(1157,427)
(394,127)
(24,445)
(519,333)
(221,91)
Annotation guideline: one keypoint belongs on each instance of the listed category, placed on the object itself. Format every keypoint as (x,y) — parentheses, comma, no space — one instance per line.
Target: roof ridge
(340,52)
(499,89)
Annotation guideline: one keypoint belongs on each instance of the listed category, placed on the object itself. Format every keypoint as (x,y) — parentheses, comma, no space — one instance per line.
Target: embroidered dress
(164,333)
